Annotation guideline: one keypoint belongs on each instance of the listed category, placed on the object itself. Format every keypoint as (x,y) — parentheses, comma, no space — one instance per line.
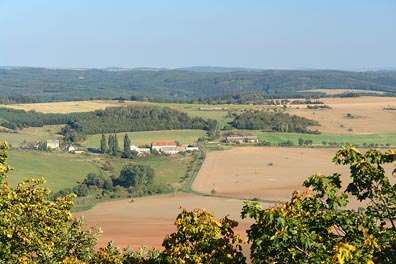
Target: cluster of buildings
(164,147)
(241,139)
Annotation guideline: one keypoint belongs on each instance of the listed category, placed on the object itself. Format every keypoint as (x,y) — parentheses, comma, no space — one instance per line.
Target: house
(52,144)
(159,145)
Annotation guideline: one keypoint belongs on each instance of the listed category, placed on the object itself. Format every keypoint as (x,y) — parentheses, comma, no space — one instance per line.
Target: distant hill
(218,69)
(77,84)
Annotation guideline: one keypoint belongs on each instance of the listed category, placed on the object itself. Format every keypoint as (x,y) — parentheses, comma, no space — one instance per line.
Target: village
(166,147)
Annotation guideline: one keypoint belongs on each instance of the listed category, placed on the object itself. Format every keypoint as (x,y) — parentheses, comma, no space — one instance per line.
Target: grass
(357,139)
(61,170)
(31,134)
(168,169)
(146,137)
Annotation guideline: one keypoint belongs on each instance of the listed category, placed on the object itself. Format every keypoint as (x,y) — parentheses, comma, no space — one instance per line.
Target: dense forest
(276,122)
(63,85)
(112,119)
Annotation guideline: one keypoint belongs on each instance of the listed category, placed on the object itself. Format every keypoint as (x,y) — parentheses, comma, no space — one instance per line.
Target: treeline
(18,119)
(19,99)
(276,122)
(112,119)
(65,85)
(137,118)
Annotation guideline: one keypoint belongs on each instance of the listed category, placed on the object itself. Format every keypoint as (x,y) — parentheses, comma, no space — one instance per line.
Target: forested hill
(61,84)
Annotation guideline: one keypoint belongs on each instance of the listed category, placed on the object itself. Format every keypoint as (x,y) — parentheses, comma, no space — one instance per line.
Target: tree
(316,227)
(202,239)
(136,176)
(115,146)
(103,144)
(127,147)
(111,143)
(35,229)
(300,141)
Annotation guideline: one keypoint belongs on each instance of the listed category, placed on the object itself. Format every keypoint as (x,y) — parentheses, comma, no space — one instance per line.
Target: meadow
(60,170)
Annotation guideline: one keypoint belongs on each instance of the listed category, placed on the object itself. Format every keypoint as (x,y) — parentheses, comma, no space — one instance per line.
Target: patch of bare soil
(146,221)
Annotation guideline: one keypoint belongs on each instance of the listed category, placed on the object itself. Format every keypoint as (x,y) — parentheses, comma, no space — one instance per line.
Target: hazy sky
(267,34)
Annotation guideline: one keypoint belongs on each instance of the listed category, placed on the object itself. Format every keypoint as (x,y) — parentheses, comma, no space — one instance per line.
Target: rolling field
(368,115)
(60,170)
(63,170)
(345,139)
(32,134)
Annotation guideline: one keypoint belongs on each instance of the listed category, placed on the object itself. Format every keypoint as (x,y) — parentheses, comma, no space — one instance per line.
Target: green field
(32,134)
(168,169)
(146,137)
(357,139)
(60,170)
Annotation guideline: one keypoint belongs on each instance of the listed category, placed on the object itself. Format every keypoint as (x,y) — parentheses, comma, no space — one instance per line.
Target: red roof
(163,143)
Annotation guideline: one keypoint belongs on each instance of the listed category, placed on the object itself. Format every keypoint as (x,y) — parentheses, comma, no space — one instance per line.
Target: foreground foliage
(33,228)
(316,227)
(202,239)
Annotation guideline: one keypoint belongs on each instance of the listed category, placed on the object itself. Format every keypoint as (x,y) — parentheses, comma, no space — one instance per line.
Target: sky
(263,34)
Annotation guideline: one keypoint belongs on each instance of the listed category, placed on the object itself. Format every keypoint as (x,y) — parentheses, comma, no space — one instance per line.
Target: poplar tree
(103,144)
(115,146)
(127,146)
(111,144)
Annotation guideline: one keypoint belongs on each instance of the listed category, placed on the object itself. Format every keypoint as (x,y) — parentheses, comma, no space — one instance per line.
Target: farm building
(52,144)
(140,150)
(242,139)
(159,145)
(172,150)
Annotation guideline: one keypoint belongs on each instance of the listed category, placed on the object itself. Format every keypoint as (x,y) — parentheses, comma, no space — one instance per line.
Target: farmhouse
(242,139)
(52,144)
(159,145)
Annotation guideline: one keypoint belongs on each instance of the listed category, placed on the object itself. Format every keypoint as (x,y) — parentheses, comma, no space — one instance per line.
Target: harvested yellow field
(367,115)
(69,107)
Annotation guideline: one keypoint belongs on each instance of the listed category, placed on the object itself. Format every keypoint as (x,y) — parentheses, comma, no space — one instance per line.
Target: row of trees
(315,226)
(110,146)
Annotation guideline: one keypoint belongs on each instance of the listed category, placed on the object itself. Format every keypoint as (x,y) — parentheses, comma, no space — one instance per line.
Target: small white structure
(140,150)
(71,149)
(192,149)
(52,144)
